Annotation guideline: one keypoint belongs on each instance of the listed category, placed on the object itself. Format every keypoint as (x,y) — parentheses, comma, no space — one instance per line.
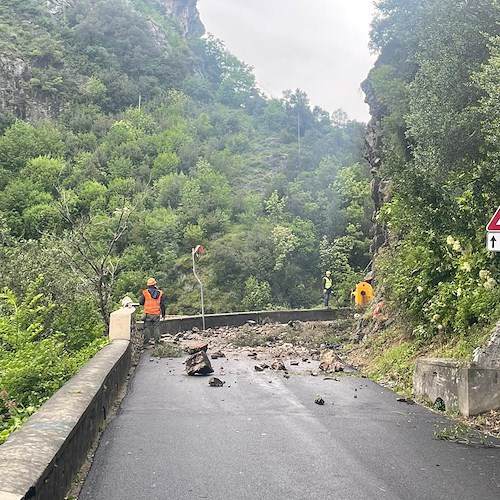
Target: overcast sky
(318,46)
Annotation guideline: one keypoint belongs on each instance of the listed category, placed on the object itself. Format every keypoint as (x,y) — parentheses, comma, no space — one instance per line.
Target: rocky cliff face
(186,14)
(57,7)
(380,188)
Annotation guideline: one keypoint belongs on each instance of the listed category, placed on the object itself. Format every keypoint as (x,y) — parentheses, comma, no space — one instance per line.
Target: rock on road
(261,436)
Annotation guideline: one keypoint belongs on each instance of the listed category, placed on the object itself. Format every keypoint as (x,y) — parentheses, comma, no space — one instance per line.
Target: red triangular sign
(494,224)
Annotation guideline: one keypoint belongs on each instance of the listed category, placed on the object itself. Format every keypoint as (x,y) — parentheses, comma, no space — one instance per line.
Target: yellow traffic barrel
(363,294)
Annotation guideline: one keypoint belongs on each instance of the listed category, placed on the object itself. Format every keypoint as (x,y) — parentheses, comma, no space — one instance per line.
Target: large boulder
(198,364)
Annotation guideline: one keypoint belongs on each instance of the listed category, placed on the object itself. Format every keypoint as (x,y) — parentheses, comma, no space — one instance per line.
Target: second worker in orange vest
(153,301)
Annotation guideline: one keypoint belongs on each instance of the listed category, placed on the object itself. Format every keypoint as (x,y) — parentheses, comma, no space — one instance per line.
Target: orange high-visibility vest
(151,306)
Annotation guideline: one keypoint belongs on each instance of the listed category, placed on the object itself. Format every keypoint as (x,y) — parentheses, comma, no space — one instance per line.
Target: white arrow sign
(493,241)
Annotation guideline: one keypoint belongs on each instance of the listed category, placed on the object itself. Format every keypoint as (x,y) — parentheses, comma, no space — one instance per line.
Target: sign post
(493,233)
(197,251)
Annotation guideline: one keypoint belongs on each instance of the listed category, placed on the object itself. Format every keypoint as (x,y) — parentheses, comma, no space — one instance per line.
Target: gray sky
(319,46)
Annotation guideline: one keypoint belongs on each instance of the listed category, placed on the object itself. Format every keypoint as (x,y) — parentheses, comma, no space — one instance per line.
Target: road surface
(261,436)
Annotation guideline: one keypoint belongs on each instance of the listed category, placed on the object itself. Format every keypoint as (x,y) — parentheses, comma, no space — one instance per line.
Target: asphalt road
(261,436)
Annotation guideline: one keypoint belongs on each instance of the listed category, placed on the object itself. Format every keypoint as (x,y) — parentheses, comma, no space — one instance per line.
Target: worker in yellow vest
(153,301)
(327,288)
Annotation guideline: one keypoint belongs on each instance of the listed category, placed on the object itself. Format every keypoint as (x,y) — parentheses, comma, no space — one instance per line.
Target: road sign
(493,241)
(494,224)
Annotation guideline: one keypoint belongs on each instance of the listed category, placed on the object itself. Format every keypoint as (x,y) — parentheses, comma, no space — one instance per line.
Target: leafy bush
(35,360)
(12,415)
(257,295)
(443,287)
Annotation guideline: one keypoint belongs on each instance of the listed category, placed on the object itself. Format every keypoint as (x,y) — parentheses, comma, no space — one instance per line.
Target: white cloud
(319,46)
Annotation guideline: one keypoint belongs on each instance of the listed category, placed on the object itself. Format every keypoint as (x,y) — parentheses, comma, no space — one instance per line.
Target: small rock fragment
(215,382)
(217,354)
(319,400)
(278,365)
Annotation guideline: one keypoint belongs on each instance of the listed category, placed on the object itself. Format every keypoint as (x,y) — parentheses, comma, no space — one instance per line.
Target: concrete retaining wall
(469,389)
(40,460)
(174,325)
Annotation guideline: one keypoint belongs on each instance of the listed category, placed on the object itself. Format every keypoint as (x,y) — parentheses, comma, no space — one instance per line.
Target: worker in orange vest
(153,301)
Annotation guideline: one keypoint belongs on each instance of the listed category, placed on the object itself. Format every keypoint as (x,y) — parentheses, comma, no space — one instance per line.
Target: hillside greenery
(123,145)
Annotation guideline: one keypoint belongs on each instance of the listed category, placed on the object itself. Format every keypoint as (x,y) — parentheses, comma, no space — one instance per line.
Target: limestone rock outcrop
(57,7)
(379,188)
(185,12)
(489,355)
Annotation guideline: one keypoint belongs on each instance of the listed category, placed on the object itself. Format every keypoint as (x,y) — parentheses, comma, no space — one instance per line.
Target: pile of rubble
(230,341)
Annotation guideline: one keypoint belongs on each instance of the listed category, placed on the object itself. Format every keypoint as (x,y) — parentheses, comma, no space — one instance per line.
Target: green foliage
(22,142)
(257,295)
(395,367)
(12,414)
(34,360)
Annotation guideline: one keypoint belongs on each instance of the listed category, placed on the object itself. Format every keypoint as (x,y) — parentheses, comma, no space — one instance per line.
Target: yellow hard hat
(151,282)
(328,272)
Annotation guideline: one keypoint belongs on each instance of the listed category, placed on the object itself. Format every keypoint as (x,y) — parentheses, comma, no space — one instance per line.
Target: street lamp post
(199,250)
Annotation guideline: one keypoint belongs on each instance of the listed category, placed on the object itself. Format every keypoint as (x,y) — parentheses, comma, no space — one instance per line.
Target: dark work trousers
(152,328)
(326,296)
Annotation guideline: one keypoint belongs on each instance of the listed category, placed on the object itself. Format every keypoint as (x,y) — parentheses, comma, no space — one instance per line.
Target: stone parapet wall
(183,323)
(40,460)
